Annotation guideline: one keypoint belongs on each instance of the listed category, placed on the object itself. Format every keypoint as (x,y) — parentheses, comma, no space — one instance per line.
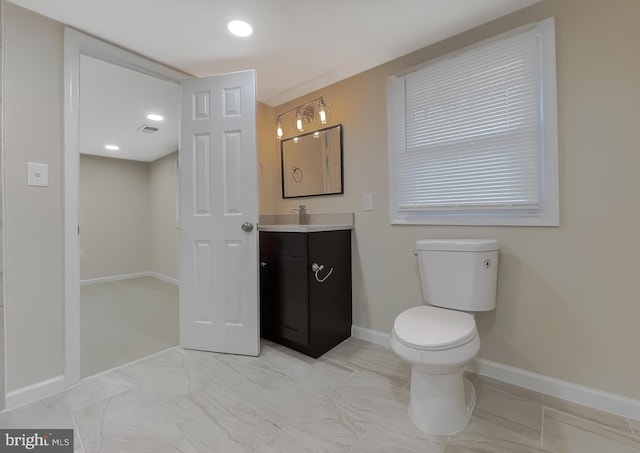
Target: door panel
(218,193)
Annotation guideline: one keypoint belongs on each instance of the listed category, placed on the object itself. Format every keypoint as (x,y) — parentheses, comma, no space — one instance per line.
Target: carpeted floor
(126,320)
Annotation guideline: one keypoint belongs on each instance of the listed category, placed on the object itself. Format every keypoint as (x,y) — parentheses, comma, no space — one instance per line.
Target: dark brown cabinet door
(330,298)
(284,305)
(292,303)
(296,309)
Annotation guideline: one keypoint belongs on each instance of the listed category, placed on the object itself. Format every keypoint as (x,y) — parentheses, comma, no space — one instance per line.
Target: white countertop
(294,228)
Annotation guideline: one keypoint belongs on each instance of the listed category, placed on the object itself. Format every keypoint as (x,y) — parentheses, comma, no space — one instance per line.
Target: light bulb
(322,114)
(279,129)
(299,125)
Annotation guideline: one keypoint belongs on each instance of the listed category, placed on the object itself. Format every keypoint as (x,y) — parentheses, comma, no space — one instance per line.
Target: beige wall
(33,130)
(115,216)
(2,367)
(128,216)
(164,239)
(568,296)
(567,303)
(268,159)
(33,223)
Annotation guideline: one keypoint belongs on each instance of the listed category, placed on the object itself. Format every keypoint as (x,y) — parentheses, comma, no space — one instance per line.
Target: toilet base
(441,404)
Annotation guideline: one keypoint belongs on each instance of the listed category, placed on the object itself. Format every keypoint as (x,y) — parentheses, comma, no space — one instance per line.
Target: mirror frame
(282,170)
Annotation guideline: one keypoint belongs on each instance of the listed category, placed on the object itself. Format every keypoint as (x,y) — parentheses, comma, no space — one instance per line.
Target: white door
(218,215)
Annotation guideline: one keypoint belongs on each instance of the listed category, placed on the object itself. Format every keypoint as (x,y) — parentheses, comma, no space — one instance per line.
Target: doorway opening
(218,294)
(86,57)
(129,243)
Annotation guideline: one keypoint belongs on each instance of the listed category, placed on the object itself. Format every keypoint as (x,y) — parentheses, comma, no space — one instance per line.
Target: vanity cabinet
(302,309)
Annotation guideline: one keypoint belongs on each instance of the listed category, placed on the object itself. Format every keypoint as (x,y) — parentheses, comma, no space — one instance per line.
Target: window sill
(547,220)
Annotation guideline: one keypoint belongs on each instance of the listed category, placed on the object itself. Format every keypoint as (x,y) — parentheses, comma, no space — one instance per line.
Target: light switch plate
(367,202)
(37,174)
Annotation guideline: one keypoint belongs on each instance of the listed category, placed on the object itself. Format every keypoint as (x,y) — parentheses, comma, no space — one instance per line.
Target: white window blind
(467,132)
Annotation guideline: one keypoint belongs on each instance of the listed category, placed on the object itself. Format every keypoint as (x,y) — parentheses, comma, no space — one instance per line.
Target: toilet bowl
(441,400)
(440,339)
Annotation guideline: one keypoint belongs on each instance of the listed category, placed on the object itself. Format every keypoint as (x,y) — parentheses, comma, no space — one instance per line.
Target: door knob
(247,227)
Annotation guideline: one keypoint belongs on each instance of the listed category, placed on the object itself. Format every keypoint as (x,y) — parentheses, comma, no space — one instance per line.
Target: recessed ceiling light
(112,147)
(240,28)
(155,117)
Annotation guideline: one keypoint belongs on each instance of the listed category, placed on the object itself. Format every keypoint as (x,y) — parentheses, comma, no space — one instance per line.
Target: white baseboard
(586,396)
(372,336)
(115,278)
(34,392)
(576,393)
(165,278)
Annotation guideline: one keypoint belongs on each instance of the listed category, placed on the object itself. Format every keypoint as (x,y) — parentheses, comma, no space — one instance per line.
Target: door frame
(75,45)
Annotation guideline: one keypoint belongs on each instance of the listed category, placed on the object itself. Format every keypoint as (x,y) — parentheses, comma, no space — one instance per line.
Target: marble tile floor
(353,399)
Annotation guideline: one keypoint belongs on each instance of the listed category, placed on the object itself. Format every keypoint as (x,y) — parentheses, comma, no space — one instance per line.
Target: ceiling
(297,47)
(115,103)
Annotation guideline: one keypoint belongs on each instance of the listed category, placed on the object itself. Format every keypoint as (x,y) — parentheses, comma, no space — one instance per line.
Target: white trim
(71,289)
(165,278)
(76,44)
(115,278)
(372,336)
(34,392)
(568,391)
(580,394)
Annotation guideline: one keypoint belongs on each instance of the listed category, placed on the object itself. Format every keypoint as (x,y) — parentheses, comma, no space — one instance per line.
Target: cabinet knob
(263,264)
(247,227)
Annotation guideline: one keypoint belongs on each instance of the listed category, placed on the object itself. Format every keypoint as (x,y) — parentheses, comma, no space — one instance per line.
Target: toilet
(440,339)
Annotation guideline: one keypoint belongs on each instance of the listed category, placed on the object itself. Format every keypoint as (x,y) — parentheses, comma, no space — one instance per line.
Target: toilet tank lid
(461,245)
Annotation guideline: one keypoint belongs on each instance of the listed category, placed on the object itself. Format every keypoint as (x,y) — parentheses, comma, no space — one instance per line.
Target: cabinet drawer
(284,244)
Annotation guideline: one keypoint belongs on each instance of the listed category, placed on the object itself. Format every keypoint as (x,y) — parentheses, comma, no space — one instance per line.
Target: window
(473,135)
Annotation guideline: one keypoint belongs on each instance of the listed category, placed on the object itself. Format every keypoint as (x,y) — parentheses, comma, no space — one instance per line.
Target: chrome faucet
(303,218)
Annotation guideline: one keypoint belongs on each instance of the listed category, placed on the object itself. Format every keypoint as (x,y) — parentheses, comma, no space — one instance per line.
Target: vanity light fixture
(304,114)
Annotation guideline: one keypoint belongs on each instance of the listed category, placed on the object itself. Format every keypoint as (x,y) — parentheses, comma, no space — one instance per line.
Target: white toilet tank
(460,274)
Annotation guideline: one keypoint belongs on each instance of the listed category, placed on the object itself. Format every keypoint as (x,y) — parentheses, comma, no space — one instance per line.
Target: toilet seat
(434,329)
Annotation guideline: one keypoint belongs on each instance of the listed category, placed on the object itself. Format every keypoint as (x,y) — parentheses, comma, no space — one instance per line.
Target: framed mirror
(312,163)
